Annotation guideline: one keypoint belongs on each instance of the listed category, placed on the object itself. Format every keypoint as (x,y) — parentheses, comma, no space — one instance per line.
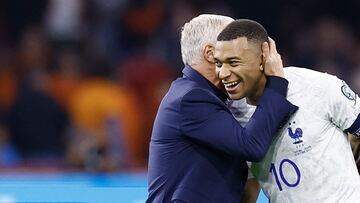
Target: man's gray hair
(199,31)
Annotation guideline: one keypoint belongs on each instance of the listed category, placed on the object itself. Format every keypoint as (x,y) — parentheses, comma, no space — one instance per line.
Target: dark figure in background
(36,122)
(37,126)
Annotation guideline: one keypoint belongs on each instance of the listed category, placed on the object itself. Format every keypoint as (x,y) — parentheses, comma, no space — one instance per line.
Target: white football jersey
(311,159)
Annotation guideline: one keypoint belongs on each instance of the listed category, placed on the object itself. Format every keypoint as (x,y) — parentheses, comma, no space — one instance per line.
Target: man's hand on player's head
(272,62)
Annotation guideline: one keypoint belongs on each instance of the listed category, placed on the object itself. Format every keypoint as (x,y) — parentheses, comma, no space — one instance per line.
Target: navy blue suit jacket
(198,151)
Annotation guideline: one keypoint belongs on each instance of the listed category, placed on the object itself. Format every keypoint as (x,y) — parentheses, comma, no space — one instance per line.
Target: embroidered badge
(295,135)
(348,93)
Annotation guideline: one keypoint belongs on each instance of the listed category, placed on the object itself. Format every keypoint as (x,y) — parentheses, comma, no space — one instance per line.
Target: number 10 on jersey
(286,182)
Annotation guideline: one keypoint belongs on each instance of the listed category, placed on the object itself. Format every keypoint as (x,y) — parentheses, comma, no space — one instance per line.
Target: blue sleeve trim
(355,127)
(278,84)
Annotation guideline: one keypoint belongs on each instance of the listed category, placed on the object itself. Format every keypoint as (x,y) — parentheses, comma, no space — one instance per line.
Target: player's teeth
(231,84)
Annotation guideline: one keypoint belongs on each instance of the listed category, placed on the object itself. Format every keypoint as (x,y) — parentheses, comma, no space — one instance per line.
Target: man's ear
(209,53)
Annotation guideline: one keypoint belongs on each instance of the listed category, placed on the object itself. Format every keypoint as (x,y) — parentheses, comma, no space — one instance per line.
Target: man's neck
(208,71)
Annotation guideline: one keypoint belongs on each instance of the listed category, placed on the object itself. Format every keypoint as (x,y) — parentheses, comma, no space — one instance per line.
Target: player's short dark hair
(250,29)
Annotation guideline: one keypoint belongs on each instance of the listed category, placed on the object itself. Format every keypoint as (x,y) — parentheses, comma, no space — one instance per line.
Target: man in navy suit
(198,151)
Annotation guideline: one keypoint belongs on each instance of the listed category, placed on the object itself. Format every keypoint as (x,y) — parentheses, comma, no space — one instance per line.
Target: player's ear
(262,62)
(208,53)
(261,67)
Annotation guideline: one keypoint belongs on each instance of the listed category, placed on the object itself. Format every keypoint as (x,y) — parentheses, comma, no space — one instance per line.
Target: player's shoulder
(293,71)
(306,76)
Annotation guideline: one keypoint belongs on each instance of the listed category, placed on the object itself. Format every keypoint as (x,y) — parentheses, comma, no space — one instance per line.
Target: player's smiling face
(238,66)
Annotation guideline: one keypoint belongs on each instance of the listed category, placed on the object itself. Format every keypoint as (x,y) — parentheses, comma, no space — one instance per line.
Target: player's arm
(344,111)
(343,105)
(251,191)
(354,130)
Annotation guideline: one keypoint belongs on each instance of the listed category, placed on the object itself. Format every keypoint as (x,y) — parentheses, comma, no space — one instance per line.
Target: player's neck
(257,92)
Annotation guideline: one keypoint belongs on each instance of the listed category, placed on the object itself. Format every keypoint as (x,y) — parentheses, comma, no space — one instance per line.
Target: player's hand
(272,62)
